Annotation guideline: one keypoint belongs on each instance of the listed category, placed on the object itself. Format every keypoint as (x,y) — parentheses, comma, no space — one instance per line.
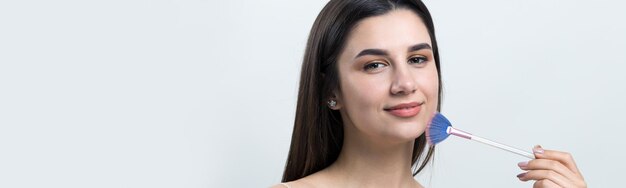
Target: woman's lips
(405,110)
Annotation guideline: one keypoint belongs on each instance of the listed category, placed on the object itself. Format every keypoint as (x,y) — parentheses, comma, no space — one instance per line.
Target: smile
(405,110)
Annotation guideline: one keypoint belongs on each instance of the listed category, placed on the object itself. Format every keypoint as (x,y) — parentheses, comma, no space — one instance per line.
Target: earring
(332,103)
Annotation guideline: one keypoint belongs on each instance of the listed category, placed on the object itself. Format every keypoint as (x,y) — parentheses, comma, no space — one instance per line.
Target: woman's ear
(335,102)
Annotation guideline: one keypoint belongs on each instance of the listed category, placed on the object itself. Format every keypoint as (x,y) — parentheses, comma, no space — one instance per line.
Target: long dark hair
(318,131)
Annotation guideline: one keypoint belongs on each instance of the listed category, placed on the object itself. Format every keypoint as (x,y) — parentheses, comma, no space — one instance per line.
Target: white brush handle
(469,136)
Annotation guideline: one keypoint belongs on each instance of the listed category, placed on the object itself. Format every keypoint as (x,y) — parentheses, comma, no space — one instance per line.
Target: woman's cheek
(432,88)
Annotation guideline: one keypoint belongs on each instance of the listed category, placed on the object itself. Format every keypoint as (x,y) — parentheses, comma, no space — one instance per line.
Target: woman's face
(388,78)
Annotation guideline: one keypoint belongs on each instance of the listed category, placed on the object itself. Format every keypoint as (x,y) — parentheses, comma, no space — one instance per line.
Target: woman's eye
(373,66)
(417,60)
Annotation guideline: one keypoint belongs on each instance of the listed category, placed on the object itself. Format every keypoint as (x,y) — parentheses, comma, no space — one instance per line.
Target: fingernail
(522,164)
(521,175)
(538,150)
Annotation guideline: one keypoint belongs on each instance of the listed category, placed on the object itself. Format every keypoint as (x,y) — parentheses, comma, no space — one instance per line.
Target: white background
(202,94)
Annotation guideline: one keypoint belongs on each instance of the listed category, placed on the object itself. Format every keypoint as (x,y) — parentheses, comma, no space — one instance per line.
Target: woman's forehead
(395,30)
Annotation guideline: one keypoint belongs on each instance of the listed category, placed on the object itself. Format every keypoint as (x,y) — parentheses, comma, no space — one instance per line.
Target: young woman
(370,83)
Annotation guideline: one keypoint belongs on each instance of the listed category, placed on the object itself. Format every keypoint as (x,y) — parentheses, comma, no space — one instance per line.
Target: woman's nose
(403,82)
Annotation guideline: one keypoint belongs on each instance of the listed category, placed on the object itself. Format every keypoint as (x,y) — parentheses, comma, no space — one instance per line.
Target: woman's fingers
(552,169)
(545,175)
(547,164)
(562,157)
(544,184)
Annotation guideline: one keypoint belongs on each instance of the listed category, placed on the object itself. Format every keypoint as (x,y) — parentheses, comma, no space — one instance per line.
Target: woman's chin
(408,132)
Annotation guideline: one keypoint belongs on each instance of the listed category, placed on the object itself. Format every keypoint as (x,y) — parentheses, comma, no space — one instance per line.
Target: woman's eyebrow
(419,46)
(381,52)
(372,52)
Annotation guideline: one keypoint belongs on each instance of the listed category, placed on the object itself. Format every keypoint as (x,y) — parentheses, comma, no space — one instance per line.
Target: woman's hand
(552,169)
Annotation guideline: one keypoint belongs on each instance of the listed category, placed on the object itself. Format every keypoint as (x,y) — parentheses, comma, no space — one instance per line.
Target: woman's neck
(365,163)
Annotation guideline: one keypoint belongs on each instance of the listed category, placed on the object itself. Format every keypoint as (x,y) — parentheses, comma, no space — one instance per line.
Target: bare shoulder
(310,181)
(292,184)
(301,183)
(280,185)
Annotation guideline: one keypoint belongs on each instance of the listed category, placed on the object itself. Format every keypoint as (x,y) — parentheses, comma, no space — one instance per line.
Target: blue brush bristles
(436,131)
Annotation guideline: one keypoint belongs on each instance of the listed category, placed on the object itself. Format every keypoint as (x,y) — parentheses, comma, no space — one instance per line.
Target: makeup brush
(440,128)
